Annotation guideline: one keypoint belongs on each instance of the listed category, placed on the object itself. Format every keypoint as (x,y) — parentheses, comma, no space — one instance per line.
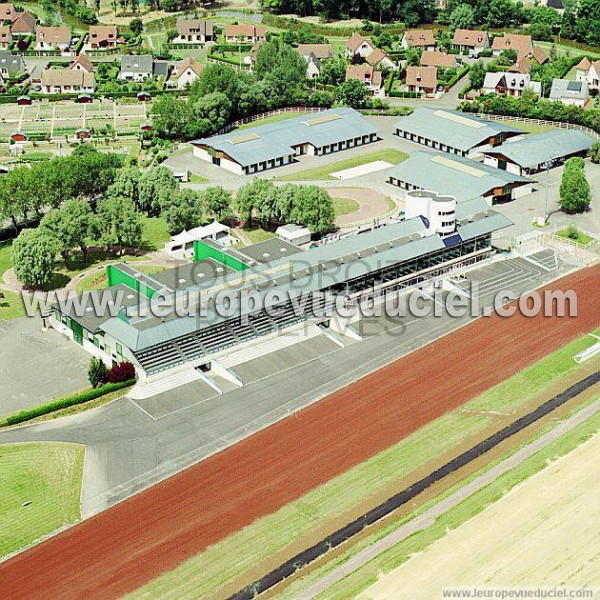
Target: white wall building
(294,234)
(181,245)
(438,210)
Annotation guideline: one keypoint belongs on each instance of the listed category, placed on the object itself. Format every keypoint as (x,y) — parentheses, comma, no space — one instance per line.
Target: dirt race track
(152,532)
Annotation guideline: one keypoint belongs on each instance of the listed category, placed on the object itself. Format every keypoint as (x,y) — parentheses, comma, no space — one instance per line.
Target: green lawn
(576,236)
(354,584)
(322,173)
(258,235)
(344,206)
(48,475)
(5,257)
(272,119)
(11,306)
(197,178)
(228,559)
(155,233)
(529,127)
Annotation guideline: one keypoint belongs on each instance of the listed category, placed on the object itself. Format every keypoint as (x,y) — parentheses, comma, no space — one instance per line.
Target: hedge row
(296,25)
(65,402)
(397,94)
(460,73)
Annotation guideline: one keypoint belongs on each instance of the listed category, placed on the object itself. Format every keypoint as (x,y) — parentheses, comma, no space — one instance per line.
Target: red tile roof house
(589,71)
(59,81)
(194,31)
(418,38)
(247,34)
(82,63)
(367,75)
(473,40)
(378,58)
(8,12)
(422,79)
(438,59)
(358,45)
(52,38)
(5,37)
(23,25)
(102,36)
(522,44)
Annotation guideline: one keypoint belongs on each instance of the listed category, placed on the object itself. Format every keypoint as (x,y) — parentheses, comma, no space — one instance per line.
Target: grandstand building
(278,144)
(272,285)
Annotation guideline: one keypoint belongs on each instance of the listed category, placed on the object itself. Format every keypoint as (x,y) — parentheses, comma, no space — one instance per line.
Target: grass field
(272,119)
(321,173)
(11,306)
(266,537)
(48,476)
(155,233)
(361,579)
(99,280)
(344,206)
(258,235)
(530,127)
(579,236)
(550,517)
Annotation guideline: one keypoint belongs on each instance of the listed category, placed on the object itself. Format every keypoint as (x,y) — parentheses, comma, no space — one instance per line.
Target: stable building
(277,144)
(452,131)
(533,153)
(458,176)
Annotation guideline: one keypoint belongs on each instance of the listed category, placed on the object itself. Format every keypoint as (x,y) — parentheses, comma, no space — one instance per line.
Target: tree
(182,211)
(594,153)
(136,25)
(171,116)
(413,57)
(477,75)
(353,93)
(333,71)
(507,57)
(314,208)
(127,184)
(119,223)
(462,17)
(69,226)
(155,187)
(33,254)
(97,372)
(216,202)
(575,192)
(211,112)
(258,196)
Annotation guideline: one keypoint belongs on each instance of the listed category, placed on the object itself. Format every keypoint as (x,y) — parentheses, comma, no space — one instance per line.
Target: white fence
(557,124)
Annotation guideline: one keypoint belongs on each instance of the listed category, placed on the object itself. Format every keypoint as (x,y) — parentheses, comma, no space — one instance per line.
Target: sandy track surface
(543,533)
(127,545)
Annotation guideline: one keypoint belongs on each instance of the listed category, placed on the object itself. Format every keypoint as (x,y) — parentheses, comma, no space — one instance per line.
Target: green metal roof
(267,142)
(533,150)
(452,128)
(451,174)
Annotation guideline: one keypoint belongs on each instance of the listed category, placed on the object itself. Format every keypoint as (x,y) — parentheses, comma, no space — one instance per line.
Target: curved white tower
(438,211)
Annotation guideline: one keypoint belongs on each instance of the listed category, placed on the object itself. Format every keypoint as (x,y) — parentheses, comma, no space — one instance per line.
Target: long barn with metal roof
(458,176)
(264,298)
(278,144)
(452,131)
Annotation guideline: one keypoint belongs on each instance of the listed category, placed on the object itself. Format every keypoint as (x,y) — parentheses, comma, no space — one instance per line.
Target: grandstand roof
(452,128)
(267,142)
(534,150)
(451,174)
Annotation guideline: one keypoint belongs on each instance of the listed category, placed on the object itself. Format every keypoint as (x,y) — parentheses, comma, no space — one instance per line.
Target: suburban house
(510,84)
(245,34)
(521,44)
(574,93)
(358,45)
(102,36)
(277,144)
(422,79)
(438,59)
(136,67)
(8,12)
(67,81)
(11,64)
(418,38)
(5,36)
(187,72)
(251,58)
(320,51)
(23,25)
(379,59)
(82,63)
(53,38)
(194,31)
(366,74)
(313,67)
(452,131)
(532,153)
(524,62)
(589,71)
(473,40)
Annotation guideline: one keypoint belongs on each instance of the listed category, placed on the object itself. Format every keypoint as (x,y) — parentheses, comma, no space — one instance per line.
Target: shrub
(594,153)
(121,372)
(66,402)
(96,372)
